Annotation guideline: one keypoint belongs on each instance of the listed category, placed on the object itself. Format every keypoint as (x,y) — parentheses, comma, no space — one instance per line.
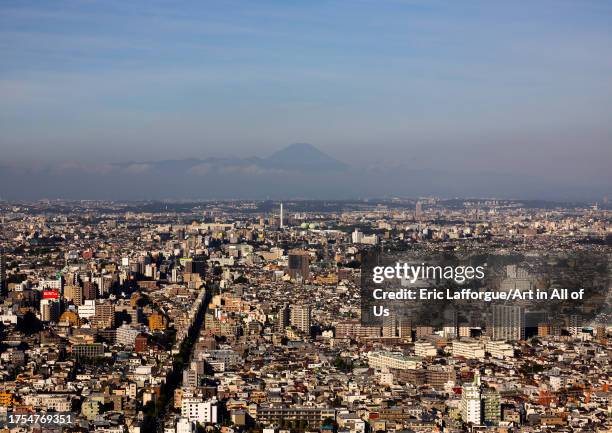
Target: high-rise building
(90,290)
(301,317)
(544,329)
(423,331)
(105,315)
(74,294)
(389,328)
(405,327)
(418,210)
(3,285)
(195,265)
(450,329)
(157,322)
(507,322)
(103,284)
(282,319)
(574,325)
(49,310)
(141,343)
(356,236)
(298,266)
(471,409)
(190,378)
(491,406)
(282,221)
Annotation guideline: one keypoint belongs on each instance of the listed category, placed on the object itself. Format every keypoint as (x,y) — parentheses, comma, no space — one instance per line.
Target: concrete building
(301,317)
(471,410)
(299,265)
(49,310)
(507,322)
(469,349)
(425,349)
(390,360)
(198,410)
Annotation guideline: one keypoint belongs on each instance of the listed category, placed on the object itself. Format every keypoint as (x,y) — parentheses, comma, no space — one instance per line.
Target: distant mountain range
(297,157)
(297,171)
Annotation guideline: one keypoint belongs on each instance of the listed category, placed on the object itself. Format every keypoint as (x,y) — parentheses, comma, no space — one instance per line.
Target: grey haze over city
(299,170)
(121,100)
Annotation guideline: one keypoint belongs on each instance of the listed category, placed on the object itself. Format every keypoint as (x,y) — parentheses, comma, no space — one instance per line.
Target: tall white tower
(471,406)
(281,215)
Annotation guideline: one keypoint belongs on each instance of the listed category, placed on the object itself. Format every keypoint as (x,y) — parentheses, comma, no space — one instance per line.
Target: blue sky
(516,86)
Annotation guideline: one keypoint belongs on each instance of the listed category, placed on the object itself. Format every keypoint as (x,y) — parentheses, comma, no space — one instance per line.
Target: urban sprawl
(236,316)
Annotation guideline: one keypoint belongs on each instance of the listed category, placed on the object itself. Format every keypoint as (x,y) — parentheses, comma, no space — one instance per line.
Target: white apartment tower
(471,406)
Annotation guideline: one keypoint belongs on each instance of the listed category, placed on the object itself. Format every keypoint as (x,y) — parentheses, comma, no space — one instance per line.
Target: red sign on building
(50,294)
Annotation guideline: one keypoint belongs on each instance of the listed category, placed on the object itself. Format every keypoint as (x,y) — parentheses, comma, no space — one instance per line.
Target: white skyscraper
(357,236)
(281,216)
(471,406)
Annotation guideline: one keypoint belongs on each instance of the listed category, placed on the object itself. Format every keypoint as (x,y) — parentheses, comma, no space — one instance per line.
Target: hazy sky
(522,87)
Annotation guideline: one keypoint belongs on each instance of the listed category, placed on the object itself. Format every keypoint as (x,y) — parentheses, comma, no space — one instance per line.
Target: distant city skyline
(504,99)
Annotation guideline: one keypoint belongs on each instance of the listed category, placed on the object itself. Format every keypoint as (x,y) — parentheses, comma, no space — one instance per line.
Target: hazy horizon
(499,99)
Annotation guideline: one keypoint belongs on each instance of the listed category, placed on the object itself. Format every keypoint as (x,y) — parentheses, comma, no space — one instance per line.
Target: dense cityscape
(322,216)
(246,316)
